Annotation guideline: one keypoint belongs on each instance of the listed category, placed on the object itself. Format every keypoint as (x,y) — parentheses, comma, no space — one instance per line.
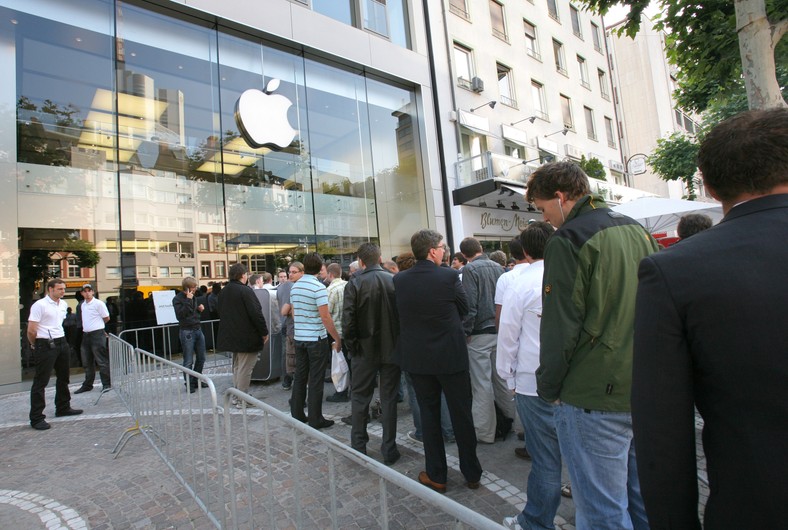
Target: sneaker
(41,425)
(83,389)
(68,412)
(511,523)
(413,438)
(348,420)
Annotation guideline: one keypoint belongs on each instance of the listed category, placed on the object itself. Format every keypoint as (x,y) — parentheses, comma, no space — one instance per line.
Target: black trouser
(46,358)
(94,351)
(457,389)
(311,369)
(365,370)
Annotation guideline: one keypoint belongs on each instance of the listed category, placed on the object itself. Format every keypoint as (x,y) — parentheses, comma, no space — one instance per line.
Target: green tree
(592,167)
(674,159)
(717,42)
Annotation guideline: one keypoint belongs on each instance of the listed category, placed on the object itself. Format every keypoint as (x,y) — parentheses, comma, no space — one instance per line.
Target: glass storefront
(123,164)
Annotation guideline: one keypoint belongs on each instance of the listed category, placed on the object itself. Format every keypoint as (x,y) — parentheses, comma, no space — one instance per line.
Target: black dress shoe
(68,412)
(41,425)
(338,397)
(390,461)
(83,389)
(325,424)
(522,452)
(192,389)
(203,384)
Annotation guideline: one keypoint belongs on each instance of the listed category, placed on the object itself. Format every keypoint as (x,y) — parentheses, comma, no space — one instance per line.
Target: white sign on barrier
(162,303)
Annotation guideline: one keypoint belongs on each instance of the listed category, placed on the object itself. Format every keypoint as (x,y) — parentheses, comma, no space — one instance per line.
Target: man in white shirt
(94,340)
(50,350)
(518,359)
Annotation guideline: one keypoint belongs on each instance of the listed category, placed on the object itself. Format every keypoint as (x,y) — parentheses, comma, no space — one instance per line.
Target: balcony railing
(491,165)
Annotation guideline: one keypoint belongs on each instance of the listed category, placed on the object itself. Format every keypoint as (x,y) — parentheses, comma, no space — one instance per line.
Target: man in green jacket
(589,286)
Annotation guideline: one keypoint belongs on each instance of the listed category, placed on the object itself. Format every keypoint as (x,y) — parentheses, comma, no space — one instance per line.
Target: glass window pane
(340,10)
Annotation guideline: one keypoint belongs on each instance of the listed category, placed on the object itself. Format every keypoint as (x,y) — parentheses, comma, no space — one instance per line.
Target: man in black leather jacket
(370,328)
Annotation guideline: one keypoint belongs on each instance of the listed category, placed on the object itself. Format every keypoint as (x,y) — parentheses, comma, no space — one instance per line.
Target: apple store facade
(125,164)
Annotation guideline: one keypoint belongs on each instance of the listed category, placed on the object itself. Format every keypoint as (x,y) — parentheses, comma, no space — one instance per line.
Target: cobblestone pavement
(66,477)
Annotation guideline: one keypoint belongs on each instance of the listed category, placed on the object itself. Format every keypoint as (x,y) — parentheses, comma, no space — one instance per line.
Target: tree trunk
(756,46)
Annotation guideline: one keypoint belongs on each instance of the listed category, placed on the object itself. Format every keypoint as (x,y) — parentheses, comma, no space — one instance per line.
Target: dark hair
(470,246)
(534,238)
(369,253)
(335,270)
(422,241)
(550,178)
(747,153)
(253,278)
(312,263)
(405,260)
(499,257)
(516,249)
(692,223)
(53,282)
(237,270)
(460,257)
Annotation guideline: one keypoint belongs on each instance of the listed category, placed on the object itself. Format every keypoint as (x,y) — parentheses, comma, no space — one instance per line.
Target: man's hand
(337,346)
(265,340)
(189,294)
(200,308)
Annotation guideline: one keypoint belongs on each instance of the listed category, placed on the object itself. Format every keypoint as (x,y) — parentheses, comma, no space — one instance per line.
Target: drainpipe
(439,126)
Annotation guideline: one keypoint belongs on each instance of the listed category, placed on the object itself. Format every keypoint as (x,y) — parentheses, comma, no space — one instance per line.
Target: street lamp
(529,118)
(491,104)
(562,131)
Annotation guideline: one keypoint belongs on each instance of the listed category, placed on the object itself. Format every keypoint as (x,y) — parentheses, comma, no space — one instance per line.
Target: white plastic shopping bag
(339,370)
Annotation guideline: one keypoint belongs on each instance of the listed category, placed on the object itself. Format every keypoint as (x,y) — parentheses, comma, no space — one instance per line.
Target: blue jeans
(446,428)
(192,341)
(544,481)
(600,454)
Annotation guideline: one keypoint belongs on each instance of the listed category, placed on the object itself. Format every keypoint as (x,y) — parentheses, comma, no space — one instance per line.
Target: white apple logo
(262,118)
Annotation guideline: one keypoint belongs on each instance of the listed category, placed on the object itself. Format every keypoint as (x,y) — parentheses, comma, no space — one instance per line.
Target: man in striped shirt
(312,324)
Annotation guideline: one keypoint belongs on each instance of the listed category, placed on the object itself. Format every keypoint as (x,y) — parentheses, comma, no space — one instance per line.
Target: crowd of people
(603,345)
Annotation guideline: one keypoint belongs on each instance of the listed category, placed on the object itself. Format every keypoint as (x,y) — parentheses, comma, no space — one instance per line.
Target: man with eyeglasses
(296,270)
(432,349)
(311,324)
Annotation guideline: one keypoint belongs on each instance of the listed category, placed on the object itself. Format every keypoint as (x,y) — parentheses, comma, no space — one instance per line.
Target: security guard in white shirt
(50,350)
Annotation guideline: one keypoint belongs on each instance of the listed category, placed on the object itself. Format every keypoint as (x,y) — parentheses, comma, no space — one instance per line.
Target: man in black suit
(432,349)
(711,333)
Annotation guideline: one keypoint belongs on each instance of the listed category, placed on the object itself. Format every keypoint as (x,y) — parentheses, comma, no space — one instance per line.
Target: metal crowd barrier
(262,468)
(279,469)
(183,428)
(163,340)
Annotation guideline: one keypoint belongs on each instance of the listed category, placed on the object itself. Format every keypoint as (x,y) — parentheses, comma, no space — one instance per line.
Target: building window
(464,65)
(531,44)
(113,273)
(604,89)
(611,138)
(506,86)
(574,14)
(552,10)
(596,37)
(497,20)
(218,243)
(558,54)
(582,69)
(689,125)
(164,272)
(459,8)
(74,270)
(590,126)
(143,272)
(205,269)
(566,111)
(375,16)
(221,270)
(188,271)
(540,104)
(204,242)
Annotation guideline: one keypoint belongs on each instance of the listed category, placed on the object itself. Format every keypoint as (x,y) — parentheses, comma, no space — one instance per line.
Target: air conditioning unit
(573,152)
(615,165)
(477,85)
